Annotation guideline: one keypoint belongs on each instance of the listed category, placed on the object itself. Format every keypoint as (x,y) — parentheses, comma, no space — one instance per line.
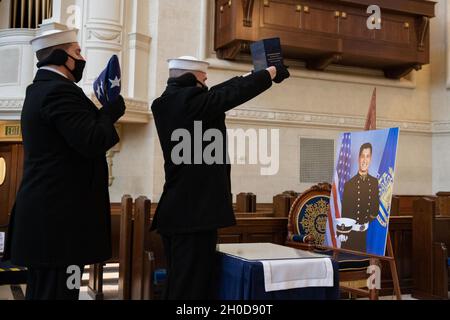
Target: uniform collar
(186,80)
(53,70)
(363,177)
(47,75)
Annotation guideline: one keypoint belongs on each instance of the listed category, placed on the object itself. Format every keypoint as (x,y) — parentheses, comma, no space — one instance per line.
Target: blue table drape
(240,280)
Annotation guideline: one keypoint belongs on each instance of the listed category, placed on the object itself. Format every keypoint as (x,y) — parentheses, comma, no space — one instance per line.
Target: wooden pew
(126,246)
(96,281)
(136,263)
(403,205)
(401,230)
(141,258)
(443,203)
(282,203)
(255,230)
(246,202)
(431,238)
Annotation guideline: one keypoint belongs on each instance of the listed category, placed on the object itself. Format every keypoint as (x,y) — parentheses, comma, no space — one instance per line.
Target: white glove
(343,238)
(360,227)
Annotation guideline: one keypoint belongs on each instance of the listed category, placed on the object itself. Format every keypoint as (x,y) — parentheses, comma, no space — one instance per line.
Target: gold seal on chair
(315,220)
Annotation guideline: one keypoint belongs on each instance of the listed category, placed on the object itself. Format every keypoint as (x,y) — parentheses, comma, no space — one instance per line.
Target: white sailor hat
(188,63)
(53,38)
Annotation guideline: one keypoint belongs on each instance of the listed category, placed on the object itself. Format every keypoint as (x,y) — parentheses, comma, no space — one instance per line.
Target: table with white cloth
(267,271)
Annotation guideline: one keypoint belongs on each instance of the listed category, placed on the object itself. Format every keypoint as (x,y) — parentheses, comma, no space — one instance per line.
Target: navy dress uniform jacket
(62,211)
(360,203)
(197,197)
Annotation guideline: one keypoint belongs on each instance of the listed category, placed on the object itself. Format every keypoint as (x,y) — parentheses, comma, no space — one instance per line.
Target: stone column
(101,36)
(138,49)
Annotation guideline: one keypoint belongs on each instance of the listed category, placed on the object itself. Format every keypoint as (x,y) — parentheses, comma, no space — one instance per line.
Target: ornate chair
(306,231)
(11,275)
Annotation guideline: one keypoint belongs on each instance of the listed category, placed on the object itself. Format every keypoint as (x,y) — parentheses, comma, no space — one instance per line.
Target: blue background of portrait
(377,139)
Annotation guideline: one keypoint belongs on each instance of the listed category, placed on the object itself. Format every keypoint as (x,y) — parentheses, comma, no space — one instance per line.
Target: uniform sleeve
(88,132)
(225,84)
(375,204)
(347,199)
(228,95)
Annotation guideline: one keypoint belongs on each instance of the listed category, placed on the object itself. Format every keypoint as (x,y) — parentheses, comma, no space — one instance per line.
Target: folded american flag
(107,87)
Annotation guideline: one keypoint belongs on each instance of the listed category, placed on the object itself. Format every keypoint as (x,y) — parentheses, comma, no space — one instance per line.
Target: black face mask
(59,58)
(79,68)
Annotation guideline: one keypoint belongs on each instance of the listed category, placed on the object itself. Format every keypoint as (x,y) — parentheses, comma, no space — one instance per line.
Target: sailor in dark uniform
(61,220)
(196,200)
(360,202)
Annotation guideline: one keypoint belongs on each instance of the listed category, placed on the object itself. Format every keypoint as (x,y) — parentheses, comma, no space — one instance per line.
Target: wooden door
(12,155)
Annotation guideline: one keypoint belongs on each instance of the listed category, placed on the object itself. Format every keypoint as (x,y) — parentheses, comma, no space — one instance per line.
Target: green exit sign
(12,131)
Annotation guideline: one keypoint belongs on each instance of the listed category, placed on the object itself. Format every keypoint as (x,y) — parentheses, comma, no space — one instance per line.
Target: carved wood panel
(280,14)
(329,31)
(352,22)
(397,30)
(223,16)
(318,17)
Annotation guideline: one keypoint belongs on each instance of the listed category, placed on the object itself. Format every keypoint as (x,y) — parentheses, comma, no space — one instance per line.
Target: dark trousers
(190,265)
(50,284)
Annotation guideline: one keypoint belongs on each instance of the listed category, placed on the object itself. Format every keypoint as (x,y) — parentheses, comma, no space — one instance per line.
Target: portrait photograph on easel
(362,191)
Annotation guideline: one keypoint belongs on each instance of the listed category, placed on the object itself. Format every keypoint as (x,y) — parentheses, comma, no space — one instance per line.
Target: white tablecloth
(292,274)
(285,268)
